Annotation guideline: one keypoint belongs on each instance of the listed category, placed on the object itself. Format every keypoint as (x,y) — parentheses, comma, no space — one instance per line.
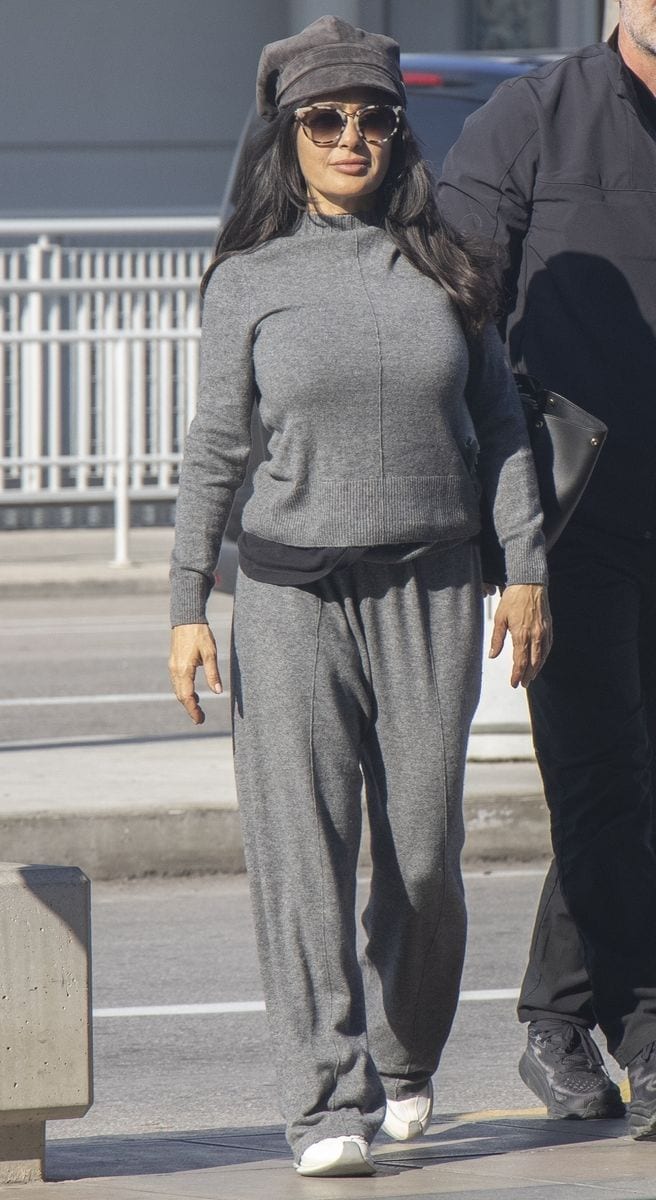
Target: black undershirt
(293,566)
(288,566)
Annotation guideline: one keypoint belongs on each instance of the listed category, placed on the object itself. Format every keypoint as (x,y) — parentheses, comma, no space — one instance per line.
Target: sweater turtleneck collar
(320,223)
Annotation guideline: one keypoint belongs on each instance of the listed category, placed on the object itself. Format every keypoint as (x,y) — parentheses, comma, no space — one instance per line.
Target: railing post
(31,387)
(84,382)
(54,405)
(122,456)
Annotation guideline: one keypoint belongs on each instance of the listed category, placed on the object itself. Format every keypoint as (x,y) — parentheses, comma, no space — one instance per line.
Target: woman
(341,306)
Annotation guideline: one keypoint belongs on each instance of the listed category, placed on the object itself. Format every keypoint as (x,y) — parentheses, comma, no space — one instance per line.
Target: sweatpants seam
(338,1062)
(446,823)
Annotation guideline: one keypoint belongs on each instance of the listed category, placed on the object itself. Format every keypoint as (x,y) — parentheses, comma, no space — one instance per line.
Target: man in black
(559,168)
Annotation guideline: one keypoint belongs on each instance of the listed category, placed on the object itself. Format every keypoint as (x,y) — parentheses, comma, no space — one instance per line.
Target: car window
(436,120)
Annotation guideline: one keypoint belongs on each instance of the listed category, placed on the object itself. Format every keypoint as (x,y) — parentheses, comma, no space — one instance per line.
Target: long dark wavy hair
(272,198)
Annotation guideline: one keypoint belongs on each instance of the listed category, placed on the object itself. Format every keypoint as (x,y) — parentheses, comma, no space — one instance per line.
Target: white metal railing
(98,363)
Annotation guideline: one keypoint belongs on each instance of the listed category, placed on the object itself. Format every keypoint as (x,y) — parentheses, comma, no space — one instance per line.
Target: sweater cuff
(189,593)
(526,561)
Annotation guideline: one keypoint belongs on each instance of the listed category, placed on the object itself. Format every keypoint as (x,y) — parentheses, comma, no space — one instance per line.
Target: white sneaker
(337,1156)
(409,1118)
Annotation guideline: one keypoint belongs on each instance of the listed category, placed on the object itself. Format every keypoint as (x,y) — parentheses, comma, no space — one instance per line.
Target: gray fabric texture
(376,666)
(328,56)
(359,365)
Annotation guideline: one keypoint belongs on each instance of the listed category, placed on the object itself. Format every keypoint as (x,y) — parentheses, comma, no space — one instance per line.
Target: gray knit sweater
(358,363)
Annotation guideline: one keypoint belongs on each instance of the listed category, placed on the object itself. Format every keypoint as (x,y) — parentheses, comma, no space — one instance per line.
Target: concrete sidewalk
(80,561)
(164,807)
(476,1156)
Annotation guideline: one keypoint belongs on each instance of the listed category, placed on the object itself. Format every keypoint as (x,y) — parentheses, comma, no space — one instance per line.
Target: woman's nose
(350,136)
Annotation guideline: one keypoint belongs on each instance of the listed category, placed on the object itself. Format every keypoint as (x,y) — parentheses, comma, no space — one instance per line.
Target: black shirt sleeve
(488,177)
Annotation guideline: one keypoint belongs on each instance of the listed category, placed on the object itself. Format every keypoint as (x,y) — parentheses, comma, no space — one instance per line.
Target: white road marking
(492,994)
(103,698)
(183,1010)
(250,1006)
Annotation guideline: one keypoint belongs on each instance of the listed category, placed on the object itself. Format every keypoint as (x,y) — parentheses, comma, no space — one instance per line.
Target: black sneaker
(563,1066)
(642,1107)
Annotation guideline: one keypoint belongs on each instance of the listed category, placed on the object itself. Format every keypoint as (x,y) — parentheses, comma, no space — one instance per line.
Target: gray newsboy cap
(327,56)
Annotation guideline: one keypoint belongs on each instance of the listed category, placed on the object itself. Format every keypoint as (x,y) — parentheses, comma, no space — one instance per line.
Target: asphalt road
(84,667)
(190,942)
(96,667)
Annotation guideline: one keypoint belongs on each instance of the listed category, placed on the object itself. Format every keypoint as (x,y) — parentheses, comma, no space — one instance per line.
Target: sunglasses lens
(324,125)
(378,124)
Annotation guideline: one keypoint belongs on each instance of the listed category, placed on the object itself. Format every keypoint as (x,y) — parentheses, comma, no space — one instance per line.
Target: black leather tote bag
(566,442)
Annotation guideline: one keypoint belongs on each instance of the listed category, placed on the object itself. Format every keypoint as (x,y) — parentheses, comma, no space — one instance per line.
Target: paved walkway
(476,1156)
(80,560)
(122,809)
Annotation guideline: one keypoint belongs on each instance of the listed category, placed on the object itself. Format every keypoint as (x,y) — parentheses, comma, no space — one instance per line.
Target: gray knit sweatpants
(374,669)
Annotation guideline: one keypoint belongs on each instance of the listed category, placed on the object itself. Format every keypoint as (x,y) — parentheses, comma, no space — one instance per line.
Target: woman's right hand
(193,646)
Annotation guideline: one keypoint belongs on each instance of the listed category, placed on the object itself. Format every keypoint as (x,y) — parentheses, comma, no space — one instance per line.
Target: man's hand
(193,646)
(523,612)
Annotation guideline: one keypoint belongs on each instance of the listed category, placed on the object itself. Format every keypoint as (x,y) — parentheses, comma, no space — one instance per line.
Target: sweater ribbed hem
(366,512)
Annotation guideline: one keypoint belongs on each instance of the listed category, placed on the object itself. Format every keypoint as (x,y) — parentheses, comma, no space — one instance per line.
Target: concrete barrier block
(45,1009)
(22,1152)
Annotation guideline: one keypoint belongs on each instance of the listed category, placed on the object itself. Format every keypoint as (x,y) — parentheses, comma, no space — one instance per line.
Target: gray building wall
(134,106)
(124,105)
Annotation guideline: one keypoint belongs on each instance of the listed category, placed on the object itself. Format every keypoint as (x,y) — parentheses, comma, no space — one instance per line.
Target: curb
(129,844)
(23,579)
(207,840)
(506,829)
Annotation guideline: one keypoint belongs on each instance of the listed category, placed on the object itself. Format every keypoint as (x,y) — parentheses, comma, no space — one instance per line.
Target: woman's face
(343,178)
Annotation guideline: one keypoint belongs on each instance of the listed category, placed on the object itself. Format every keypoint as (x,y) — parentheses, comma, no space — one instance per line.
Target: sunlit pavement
(482,1156)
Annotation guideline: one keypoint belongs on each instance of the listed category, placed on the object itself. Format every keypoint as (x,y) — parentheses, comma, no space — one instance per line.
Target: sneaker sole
(351,1162)
(606,1106)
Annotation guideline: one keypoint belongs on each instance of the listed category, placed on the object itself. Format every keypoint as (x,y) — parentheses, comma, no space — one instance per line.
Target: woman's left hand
(524,613)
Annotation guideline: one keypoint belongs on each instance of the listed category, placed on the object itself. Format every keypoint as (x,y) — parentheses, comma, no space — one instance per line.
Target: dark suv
(443,89)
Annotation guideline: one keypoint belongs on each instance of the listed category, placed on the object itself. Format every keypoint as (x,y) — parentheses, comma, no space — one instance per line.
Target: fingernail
(218,689)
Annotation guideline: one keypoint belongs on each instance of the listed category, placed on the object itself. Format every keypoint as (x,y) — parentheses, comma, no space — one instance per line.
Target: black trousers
(593,711)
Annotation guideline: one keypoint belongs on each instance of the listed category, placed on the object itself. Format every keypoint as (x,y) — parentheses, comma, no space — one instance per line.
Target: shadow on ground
(460,1137)
(448,1139)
